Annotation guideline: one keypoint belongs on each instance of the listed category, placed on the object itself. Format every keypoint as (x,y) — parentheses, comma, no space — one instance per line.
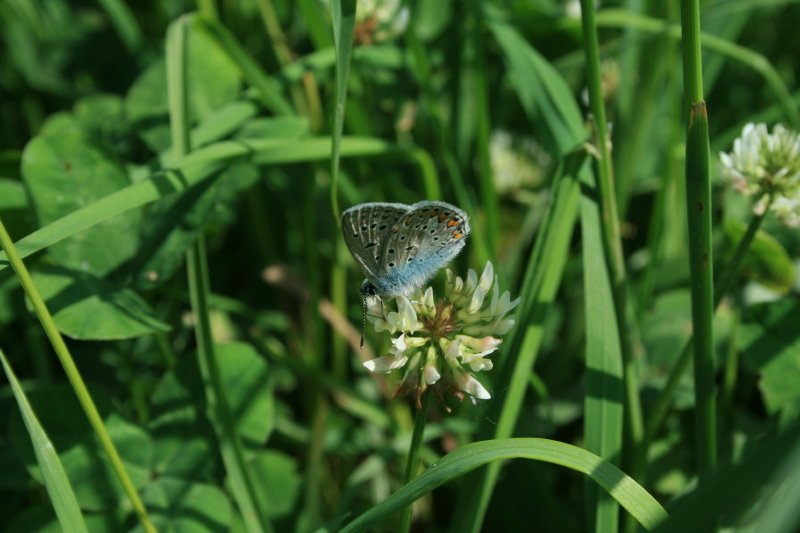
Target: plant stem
(698,204)
(74,377)
(612,242)
(412,463)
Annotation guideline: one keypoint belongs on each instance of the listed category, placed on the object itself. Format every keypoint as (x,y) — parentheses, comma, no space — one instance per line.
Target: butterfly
(401,247)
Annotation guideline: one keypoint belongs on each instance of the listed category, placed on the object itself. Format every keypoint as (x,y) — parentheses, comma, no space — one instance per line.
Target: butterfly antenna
(364,322)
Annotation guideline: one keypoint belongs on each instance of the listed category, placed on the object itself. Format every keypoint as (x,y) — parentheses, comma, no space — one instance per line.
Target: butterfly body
(401,247)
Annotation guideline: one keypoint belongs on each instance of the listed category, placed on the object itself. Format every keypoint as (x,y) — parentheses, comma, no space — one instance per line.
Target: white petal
(487,277)
(477,300)
(485,345)
(385,364)
(430,374)
(454,350)
(428,299)
(467,383)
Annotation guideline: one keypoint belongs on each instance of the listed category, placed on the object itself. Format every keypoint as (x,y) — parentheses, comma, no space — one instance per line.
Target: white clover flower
(379,21)
(516,162)
(437,340)
(766,166)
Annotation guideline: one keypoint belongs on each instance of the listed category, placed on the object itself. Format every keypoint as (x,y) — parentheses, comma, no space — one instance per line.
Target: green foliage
(176,202)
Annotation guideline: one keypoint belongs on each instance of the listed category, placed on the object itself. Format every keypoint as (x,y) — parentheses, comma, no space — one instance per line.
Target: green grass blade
(611,239)
(467,458)
(74,376)
(344,19)
(542,279)
(604,376)
(124,22)
(489,197)
(55,479)
(544,94)
(201,164)
(218,410)
(269,91)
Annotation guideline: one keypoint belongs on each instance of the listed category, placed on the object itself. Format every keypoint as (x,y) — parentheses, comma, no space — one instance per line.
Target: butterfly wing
(366,229)
(425,238)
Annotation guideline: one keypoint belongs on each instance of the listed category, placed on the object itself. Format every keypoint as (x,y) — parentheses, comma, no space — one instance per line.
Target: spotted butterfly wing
(399,247)
(365,227)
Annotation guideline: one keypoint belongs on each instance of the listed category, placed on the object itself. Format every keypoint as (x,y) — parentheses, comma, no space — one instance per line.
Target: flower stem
(412,465)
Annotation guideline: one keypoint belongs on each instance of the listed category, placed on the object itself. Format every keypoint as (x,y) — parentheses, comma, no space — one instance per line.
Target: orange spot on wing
(457,235)
(442,218)
(408,220)
(396,229)
(452,223)
(422,214)
(434,213)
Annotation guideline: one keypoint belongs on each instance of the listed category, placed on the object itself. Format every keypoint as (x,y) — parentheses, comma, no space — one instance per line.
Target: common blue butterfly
(400,247)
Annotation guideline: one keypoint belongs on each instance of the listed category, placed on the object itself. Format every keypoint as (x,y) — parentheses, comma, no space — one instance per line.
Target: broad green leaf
(770,340)
(184,443)
(767,261)
(183,437)
(66,172)
(665,329)
(14,210)
(104,116)
(237,178)
(88,308)
(89,471)
(176,505)
(246,381)
(213,82)
(52,471)
(277,482)
(170,227)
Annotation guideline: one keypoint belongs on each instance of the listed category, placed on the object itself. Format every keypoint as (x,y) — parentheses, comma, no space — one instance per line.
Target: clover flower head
(439,344)
(379,21)
(766,166)
(517,161)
